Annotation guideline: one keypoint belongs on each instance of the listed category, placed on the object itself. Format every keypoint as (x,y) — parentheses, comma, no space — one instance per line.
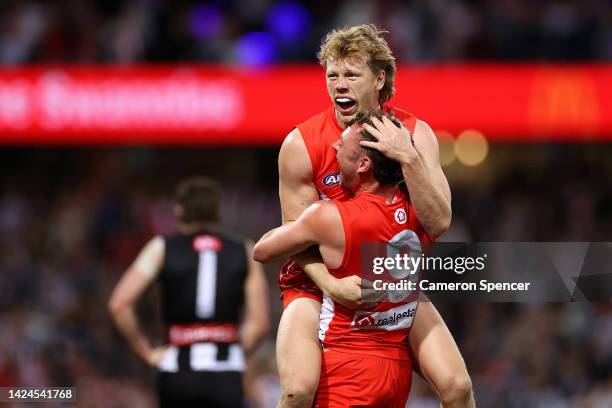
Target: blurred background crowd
(268,31)
(73,219)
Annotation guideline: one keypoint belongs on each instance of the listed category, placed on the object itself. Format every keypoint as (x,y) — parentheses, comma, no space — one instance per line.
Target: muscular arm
(295,187)
(319,225)
(297,192)
(128,291)
(257,309)
(429,191)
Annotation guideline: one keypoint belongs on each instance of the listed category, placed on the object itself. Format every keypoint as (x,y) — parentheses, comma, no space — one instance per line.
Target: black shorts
(200,389)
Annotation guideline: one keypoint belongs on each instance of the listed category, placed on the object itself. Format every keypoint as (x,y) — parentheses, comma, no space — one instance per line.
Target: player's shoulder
(294,158)
(408,119)
(155,245)
(322,212)
(226,237)
(399,113)
(315,120)
(295,137)
(229,237)
(293,140)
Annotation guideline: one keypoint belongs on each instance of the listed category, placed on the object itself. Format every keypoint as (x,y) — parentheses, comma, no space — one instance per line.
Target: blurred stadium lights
(257,48)
(205,21)
(447,147)
(471,147)
(289,21)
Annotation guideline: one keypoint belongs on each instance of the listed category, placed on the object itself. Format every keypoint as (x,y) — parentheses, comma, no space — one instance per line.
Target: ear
(381,79)
(365,164)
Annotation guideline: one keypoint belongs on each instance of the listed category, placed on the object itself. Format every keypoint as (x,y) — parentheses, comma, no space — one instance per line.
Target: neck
(374,187)
(189,228)
(339,120)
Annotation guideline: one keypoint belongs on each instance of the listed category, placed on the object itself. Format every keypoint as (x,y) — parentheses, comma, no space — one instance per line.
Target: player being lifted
(360,72)
(208,279)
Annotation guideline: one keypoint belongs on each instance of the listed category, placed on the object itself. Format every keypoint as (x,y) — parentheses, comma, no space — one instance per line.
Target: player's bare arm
(320,224)
(295,187)
(126,294)
(429,190)
(256,305)
(297,192)
(436,354)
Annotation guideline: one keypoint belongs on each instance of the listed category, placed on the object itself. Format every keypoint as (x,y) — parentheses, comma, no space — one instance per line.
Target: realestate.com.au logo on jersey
(393,319)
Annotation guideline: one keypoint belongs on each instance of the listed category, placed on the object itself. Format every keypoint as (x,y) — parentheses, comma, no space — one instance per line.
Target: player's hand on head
(394,142)
(348,292)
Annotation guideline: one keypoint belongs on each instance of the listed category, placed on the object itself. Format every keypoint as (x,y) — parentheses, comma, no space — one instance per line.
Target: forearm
(251,334)
(127,324)
(346,291)
(431,206)
(266,250)
(289,239)
(313,266)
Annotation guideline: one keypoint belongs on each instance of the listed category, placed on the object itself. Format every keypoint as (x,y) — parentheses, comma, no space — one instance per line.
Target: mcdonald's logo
(565,102)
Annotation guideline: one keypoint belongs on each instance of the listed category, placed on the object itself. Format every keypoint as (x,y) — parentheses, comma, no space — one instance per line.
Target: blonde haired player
(360,71)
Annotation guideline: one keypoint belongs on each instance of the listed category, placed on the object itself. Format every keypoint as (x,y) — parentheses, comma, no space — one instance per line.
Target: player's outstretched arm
(297,192)
(311,228)
(429,191)
(126,294)
(256,306)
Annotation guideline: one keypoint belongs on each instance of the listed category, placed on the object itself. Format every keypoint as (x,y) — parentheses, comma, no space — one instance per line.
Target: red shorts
(294,284)
(361,380)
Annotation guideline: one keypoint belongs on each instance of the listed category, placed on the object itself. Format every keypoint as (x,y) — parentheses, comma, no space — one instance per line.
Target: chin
(346,120)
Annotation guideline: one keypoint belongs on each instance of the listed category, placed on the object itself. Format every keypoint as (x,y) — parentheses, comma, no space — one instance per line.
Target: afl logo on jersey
(203,243)
(400,216)
(331,179)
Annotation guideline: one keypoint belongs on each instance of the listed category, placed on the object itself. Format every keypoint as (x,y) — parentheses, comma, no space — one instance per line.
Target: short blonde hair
(363,40)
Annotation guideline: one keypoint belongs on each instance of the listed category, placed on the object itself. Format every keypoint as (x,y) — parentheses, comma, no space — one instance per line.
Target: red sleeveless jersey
(319,134)
(369,218)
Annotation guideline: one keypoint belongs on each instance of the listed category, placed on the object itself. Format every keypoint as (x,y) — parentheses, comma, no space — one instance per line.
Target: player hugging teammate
(360,72)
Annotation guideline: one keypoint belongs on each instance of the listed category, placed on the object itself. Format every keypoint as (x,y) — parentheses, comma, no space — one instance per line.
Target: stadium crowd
(71,221)
(268,31)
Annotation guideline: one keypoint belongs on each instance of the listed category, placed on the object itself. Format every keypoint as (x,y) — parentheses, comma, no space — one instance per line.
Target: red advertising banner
(216,105)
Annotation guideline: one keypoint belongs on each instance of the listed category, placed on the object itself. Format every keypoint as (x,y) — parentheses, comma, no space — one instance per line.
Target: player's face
(353,87)
(349,154)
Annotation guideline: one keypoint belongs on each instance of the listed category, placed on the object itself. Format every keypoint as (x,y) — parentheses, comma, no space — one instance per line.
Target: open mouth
(345,104)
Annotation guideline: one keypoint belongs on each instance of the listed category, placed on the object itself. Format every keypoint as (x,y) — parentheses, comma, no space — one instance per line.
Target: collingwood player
(208,281)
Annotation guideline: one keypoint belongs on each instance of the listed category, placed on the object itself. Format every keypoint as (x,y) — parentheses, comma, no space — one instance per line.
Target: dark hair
(386,171)
(199,198)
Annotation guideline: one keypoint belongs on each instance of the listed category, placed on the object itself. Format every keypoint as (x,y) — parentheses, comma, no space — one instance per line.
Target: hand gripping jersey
(319,133)
(382,332)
